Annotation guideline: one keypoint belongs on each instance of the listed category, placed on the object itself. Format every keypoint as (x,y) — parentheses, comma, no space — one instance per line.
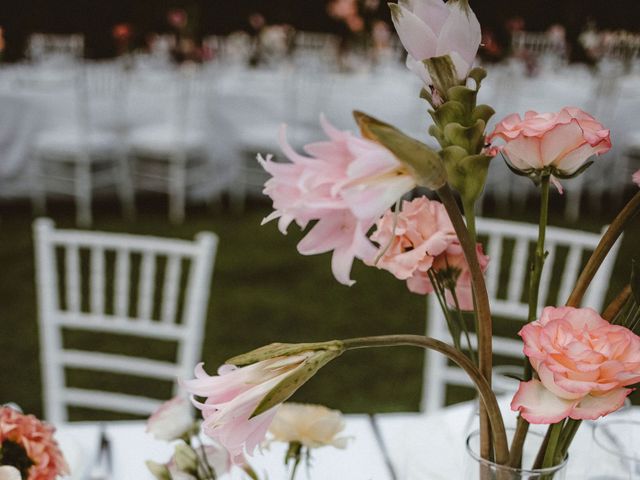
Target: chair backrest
(86,282)
(509,246)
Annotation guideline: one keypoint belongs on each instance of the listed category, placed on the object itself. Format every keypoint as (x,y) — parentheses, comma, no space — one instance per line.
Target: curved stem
(617,304)
(484,389)
(483,309)
(608,240)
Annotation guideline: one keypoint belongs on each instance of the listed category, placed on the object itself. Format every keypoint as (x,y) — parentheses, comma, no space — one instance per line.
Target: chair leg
(124,181)
(83,191)
(38,194)
(177,180)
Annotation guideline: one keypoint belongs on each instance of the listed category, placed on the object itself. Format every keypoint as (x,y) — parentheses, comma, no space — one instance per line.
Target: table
(361,460)
(432,446)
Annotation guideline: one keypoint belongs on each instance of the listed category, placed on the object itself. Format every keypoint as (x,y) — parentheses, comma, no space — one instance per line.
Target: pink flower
(36,439)
(422,231)
(636,178)
(172,420)
(432,28)
(583,363)
(344,184)
(177,18)
(232,396)
(560,142)
(424,240)
(451,265)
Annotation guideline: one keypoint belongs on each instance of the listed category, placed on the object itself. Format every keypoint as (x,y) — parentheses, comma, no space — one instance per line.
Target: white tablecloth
(433,446)
(361,460)
(241,109)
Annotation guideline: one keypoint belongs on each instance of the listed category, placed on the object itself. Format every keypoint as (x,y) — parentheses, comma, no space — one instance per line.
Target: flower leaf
(292,382)
(565,176)
(483,112)
(443,74)
(423,163)
(283,350)
(478,74)
(469,138)
(450,112)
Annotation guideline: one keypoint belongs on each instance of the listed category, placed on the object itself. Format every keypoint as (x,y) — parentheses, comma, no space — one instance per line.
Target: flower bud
(161,472)
(185,458)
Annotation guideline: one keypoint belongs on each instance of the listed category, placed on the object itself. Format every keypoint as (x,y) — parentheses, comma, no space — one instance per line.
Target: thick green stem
(538,261)
(482,385)
(470,217)
(483,309)
(550,452)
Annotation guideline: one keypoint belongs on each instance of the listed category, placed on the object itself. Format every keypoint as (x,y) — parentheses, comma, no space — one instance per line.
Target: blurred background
(145,117)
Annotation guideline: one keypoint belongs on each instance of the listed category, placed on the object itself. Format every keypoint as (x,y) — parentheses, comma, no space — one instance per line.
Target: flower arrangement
(302,427)
(28,450)
(580,364)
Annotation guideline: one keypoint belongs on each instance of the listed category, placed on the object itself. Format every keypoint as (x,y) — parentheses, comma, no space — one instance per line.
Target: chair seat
(61,143)
(164,140)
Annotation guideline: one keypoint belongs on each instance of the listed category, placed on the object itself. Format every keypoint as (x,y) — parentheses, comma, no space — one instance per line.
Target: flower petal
(538,405)
(592,407)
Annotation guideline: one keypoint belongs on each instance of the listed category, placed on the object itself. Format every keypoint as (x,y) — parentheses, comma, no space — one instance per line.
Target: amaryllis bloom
(432,28)
(232,396)
(561,142)
(172,420)
(583,363)
(32,440)
(636,178)
(313,426)
(344,184)
(413,237)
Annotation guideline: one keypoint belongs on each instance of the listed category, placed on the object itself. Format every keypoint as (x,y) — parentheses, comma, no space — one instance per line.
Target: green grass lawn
(262,291)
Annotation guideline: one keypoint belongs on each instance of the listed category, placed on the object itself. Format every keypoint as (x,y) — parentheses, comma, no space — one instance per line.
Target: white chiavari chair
(509,246)
(86,152)
(86,281)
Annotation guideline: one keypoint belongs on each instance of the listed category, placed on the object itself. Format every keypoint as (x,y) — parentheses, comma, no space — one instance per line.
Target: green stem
(295,467)
(463,326)
(443,306)
(568,433)
(483,309)
(538,261)
(522,426)
(482,385)
(470,217)
(550,452)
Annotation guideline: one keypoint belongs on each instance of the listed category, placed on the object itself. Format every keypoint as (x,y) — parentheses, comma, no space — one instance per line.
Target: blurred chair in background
(86,281)
(170,155)
(509,247)
(87,152)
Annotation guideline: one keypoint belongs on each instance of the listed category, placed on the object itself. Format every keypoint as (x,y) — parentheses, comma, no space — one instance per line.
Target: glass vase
(477,468)
(614,454)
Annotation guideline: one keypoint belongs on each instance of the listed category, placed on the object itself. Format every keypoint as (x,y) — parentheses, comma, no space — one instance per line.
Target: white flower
(172,420)
(311,425)
(8,472)
(432,28)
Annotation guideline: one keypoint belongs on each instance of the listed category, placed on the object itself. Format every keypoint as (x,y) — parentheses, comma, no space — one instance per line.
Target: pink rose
(560,142)
(424,239)
(422,231)
(636,178)
(432,28)
(344,184)
(583,363)
(233,395)
(453,265)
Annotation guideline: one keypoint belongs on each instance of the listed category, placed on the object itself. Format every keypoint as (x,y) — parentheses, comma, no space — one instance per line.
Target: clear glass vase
(614,453)
(477,468)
